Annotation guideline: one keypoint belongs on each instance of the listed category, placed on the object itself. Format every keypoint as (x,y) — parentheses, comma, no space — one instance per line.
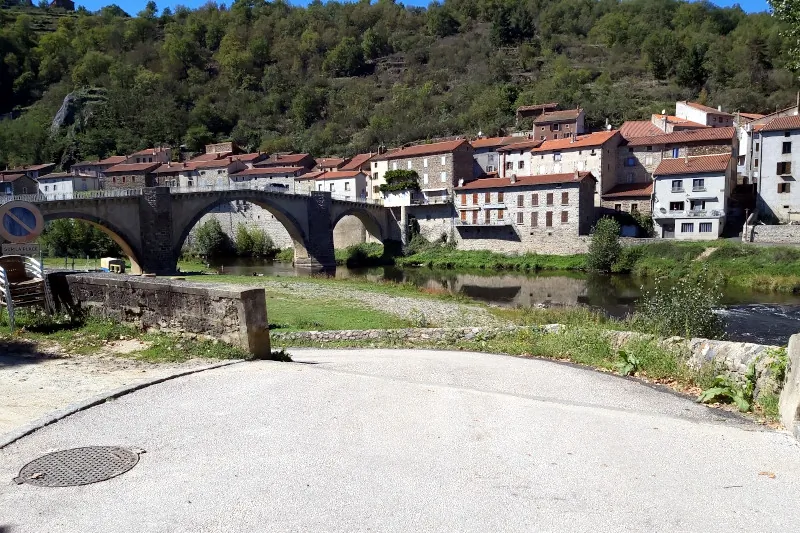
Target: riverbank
(747,266)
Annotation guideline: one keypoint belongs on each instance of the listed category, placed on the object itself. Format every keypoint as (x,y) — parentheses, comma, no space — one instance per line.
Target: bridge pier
(155,227)
(318,254)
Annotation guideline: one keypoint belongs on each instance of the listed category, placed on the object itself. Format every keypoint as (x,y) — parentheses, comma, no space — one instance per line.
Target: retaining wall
(790,396)
(232,313)
(778,234)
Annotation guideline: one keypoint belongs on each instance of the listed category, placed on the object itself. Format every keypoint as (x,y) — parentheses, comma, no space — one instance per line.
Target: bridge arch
(371,224)
(119,236)
(287,220)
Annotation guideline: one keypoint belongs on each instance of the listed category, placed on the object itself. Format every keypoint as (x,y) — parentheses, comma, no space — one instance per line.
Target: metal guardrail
(78,195)
(691,213)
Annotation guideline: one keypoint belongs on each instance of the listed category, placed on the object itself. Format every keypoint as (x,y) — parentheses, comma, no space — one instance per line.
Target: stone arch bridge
(151,224)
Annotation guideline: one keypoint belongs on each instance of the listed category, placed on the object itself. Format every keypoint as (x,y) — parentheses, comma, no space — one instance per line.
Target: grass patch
(294,313)
(767,406)
(447,258)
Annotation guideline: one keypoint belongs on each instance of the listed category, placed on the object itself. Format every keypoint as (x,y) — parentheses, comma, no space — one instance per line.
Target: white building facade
(63,184)
(779,155)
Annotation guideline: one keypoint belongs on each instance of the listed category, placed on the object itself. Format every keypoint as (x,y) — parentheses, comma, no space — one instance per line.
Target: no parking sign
(20,222)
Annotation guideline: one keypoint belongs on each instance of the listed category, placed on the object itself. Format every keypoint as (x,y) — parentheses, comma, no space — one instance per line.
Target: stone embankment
(733,359)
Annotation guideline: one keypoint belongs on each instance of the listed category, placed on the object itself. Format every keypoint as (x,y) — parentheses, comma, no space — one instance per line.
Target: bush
(253,242)
(210,240)
(605,248)
(684,308)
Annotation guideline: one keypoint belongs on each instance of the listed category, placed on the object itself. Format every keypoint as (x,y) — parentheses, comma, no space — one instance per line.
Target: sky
(134,6)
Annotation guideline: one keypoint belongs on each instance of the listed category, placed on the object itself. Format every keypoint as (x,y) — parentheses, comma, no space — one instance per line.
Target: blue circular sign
(20,222)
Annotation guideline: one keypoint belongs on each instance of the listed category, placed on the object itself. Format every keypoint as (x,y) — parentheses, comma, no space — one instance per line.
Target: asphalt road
(380,440)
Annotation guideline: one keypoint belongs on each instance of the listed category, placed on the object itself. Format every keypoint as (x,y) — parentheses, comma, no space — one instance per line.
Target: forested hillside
(340,78)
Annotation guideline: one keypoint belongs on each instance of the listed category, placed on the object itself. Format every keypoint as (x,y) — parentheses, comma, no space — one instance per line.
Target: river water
(760,317)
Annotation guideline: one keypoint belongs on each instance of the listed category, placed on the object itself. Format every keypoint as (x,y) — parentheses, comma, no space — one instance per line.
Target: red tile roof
(537,107)
(28,168)
(422,149)
(217,163)
(678,121)
(150,151)
(209,157)
(246,158)
(311,175)
(268,171)
(87,164)
(523,181)
(693,165)
(491,142)
(11,177)
(791,122)
(279,159)
(133,167)
(558,116)
(329,162)
(113,160)
(523,144)
(707,109)
(630,190)
(357,162)
(169,168)
(582,141)
(57,175)
(339,174)
(639,128)
(751,116)
(687,136)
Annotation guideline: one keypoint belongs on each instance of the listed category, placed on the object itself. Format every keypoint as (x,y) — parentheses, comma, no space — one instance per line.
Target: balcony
(689,213)
(678,189)
(480,223)
(433,200)
(699,189)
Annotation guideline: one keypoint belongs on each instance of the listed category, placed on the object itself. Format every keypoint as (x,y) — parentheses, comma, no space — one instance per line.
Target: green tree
(788,11)
(441,21)
(210,240)
(346,59)
(244,241)
(374,44)
(263,245)
(400,180)
(605,248)
(691,69)
(661,48)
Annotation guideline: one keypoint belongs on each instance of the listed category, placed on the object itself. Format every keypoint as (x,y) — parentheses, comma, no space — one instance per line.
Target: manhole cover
(78,466)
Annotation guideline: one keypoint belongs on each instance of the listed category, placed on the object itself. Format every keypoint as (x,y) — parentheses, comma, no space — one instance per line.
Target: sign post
(20,222)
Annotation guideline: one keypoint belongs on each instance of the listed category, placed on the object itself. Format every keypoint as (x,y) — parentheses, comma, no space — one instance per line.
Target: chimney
(719,108)
(686,157)
(461,182)
(577,175)
(513,178)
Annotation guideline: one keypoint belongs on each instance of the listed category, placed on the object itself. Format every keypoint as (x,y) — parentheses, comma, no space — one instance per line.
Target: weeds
(726,390)
(628,364)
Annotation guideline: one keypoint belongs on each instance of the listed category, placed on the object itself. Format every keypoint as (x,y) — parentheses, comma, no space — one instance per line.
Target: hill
(340,78)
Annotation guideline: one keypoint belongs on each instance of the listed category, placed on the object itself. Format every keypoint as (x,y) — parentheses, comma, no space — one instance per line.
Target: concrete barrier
(236,314)
(790,395)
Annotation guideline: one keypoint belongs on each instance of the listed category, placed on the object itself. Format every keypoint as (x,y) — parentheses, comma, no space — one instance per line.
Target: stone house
(328,163)
(31,171)
(95,169)
(533,111)
(359,162)
(65,183)
(779,157)
(690,196)
(343,184)
(130,176)
(210,173)
(440,166)
(16,183)
(558,124)
(150,155)
(702,114)
(545,213)
(595,153)
(306,182)
(487,158)
(278,178)
(629,197)
(288,160)
(515,158)
(252,159)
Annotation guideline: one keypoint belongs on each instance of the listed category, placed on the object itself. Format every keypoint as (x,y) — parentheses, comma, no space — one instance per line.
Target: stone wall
(235,314)
(783,234)
(789,404)
(252,216)
(731,358)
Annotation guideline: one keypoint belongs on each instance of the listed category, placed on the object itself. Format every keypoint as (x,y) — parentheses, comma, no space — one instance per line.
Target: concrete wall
(232,313)
(789,404)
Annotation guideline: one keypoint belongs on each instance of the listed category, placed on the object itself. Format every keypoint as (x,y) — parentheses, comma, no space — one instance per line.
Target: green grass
(447,258)
(767,405)
(293,313)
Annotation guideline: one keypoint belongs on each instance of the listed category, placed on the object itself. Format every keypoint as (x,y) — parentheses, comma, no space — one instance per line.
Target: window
(687,227)
(784,187)
(676,152)
(375,189)
(534,199)
(786,133)
(630,161)
(444,159)
(489,168)
(648,160)
(555,136)
(463,199)
(567,126)
(617,207)
(549,198)
(133,179)
(425,162)
(347,185)
(705,227)
(509,165)
(787,148)
(534,220)
(500,197)
(784,167)
(542,128)
(755,163)
(520,200)
(520,218)
(649,148)
(555,127)
(564,217)
(634,208)
(374,165)
(123,179)
(564,198)
(698,184)
(425,178)
(46,188)
(375,176)
(474,198)
(320,187)
(443,177)
(542,137)
(149,159)
(697,205)
(501,215)
(548,219)
(676,206)
(557,156)
(741,160)
(394,165)
(487,197)
(758,145)
(521,164)
(409,165)
(677,185)
(331,187)
(487,216)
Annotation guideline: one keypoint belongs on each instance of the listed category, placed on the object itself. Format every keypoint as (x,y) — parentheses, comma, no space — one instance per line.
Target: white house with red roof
(343,184)
(690,196)
(703,114)
(779,165)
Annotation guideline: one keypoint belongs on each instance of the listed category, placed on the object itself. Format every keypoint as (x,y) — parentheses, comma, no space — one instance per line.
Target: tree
(244,242)
(691,69)
(605,249)
(374,44)
(346,59)
(661,48)
(441,22)
(788,11)
(400,180)
(210,240)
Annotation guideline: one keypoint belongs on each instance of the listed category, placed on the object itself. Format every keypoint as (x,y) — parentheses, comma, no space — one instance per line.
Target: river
(760,317)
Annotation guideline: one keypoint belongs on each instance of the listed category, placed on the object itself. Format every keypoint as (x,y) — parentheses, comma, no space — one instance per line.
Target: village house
(130,176)
(16,183)
(95,169)
(288,160)
(65,184)
(210,173)
(359,162)
(526,213)
(748,128)
(533,111)
(515,158)
(702,114)
(558,124)
(690,196)
(252,159)
(150,155)
(277,178)
(32,171)
(779,156)
(629,198)
(328,163)
(305,182)
(594,152)
(343,184)
(486,155)
(439,166)
(671,123)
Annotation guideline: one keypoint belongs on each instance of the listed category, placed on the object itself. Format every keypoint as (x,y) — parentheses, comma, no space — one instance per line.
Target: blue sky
(134,6)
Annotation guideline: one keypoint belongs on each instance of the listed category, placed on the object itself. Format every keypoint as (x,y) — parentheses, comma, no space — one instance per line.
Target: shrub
(210,240)
(244,242)
(400,180)
(684,308)
(605,248)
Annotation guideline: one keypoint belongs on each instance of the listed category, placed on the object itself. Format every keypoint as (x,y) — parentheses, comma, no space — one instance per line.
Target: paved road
(378,440)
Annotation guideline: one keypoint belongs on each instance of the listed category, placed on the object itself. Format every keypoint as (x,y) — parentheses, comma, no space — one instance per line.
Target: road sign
(31,250)
(20,222)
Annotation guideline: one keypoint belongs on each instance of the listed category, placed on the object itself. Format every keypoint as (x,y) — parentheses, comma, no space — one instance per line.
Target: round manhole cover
(78,466)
